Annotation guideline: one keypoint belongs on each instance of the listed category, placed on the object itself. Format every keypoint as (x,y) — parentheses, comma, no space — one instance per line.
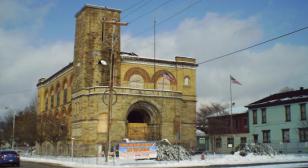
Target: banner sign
(137,150)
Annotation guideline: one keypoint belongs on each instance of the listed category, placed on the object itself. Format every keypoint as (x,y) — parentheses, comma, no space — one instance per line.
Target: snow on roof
(199,133)
(282,98)
(235,110)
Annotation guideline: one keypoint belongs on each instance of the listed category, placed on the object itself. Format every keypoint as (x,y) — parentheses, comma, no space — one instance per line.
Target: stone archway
(143,121)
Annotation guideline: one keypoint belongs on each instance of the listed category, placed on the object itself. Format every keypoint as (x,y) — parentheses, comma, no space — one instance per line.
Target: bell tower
(96,40)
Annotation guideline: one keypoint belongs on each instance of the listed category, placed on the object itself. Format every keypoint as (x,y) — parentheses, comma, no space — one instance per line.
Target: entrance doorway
(143,122)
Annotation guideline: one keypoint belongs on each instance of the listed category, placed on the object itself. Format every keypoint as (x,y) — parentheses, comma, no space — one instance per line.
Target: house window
(254,116)
(245,122)
(303,134)
(288,113)
(243,140)
(285,135)
(263,110)
(303,111)
(186,81)
(201,140)
(255,138)
(266,136)
(230,141)
(218,142)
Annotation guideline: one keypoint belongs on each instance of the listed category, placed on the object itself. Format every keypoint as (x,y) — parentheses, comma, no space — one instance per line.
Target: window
(58,97)
(255,138)
(303,111)
(46,103)
(230,141)
(288,113)
(186,81)
(201,140)
(243,140)
(51,101)
(245,122)
(266,136)
(303,134)
(285,135)
(263,110)
(218,143)
(65,94)
(136,81)
(163,84)
(254,116)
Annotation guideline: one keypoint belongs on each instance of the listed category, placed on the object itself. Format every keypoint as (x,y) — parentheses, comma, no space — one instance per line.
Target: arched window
(186,81)
(46,101)
(65,93)
(58,96)
(51,99)
(163,83)
(136,81)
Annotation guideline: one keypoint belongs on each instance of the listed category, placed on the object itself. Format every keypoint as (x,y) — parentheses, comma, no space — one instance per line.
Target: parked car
(9,157)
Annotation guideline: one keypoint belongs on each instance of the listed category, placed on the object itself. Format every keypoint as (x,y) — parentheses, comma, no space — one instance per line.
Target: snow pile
(256,149)
(169,152)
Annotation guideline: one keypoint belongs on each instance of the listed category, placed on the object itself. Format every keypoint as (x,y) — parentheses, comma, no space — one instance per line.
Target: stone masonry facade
(160,94)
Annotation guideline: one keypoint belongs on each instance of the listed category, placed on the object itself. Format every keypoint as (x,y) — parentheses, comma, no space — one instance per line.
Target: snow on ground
(293,165)
(211,159)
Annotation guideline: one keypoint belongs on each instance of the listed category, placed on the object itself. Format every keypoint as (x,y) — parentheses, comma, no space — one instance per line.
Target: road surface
(38,165)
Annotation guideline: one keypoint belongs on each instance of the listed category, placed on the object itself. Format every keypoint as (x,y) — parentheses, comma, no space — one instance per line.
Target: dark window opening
(138,116)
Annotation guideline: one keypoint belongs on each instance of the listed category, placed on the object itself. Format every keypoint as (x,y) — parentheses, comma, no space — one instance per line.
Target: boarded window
(102,123)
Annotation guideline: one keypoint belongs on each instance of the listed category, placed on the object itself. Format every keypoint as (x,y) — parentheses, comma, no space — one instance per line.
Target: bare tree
(55,129)
(206,111)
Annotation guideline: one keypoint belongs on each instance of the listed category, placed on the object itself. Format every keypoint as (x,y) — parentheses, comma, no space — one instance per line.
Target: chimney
(301,88)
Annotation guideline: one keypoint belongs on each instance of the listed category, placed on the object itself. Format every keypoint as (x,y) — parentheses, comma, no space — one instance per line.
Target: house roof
(289,97)
(227,112)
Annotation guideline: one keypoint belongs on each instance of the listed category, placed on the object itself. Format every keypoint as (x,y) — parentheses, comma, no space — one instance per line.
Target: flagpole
(231,103)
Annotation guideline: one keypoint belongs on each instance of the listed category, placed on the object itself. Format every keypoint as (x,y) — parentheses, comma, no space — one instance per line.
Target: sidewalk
(210,161)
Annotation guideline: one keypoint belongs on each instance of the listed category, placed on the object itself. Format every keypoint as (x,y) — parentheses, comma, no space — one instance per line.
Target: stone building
(152,98)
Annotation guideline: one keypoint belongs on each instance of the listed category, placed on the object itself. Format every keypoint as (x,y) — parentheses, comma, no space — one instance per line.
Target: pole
(13,136)
(154,51)
(231,104)
(72,147)
(111,80)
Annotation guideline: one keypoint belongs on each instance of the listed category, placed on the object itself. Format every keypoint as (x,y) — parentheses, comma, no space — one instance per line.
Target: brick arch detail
(138,71)
(160,73)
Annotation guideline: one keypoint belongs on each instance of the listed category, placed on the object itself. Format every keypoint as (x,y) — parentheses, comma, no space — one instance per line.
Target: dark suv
(9,157)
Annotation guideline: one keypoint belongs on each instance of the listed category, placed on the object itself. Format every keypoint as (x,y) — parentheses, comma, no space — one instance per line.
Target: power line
(144,3)
(179,12)
(132,6)
(151,11)
(252,46)
(170,17)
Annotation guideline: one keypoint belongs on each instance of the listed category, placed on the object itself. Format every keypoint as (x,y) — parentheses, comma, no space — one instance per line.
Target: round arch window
(136,81)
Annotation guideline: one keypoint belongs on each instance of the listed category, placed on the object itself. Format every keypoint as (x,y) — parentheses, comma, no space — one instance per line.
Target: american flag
(168,76)
(234,81)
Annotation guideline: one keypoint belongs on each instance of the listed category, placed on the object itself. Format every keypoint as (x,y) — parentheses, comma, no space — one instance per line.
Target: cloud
(262,71)
(24,58)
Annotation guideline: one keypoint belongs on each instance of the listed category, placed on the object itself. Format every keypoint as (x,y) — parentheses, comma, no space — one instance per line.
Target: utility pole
(111,80)
(13,139)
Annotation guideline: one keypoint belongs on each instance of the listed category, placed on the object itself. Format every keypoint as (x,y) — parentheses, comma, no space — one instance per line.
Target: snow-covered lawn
(217,159)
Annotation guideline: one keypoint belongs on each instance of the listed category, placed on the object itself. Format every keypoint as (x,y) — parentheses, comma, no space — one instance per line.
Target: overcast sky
(37,39)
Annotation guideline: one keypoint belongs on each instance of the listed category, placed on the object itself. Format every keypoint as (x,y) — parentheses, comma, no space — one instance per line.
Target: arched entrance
(143,122)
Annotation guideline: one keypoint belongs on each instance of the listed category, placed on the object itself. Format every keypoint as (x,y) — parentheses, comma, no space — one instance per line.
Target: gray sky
(33,44)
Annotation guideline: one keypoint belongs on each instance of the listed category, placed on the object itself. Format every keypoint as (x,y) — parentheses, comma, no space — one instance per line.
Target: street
(39,165)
